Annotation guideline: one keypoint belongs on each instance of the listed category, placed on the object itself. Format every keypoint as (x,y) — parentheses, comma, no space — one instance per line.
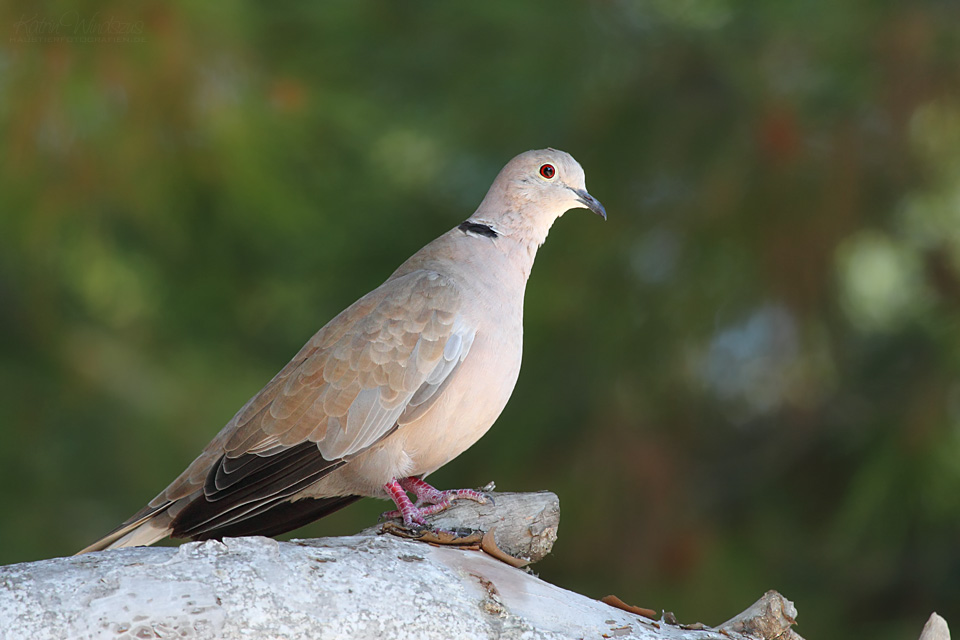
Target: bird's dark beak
(589,202)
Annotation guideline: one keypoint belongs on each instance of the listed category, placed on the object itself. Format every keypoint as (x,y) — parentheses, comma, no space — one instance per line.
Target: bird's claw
(411,519)
(430,500)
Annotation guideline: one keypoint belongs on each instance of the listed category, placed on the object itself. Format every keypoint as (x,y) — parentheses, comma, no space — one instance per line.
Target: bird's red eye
(547,171)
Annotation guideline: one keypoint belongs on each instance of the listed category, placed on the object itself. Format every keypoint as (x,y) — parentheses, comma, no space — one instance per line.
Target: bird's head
(532,191)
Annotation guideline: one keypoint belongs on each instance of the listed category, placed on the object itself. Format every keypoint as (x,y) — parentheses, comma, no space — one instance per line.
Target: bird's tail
(176,519)
(145,528)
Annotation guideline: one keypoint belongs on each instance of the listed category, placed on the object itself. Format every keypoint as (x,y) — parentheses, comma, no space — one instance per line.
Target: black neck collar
(478,229)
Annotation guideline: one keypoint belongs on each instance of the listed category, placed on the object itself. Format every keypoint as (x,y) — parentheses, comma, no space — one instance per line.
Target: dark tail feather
(249,487)
(283,517)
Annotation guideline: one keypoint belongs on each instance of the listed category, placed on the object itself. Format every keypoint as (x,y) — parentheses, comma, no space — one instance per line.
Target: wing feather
(380,364)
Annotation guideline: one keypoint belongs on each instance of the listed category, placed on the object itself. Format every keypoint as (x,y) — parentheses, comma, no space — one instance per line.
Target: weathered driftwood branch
(523,526)
(366,586)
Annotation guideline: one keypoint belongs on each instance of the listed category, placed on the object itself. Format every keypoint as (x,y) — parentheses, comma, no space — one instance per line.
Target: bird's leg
(427,494)
(411,515)
(434,499)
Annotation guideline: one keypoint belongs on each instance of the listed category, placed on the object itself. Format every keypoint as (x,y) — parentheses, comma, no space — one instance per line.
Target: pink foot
(434,499)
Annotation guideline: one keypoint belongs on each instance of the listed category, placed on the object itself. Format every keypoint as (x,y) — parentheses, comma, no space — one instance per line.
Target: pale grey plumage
(397,385)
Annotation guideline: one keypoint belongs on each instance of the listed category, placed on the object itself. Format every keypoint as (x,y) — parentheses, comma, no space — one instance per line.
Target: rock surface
(352,587)
(373,586)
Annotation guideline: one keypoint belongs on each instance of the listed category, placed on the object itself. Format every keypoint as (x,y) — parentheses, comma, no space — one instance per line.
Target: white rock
(256,588)
(935,629)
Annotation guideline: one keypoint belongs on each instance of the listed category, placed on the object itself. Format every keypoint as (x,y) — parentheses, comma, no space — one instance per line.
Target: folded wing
(381,363)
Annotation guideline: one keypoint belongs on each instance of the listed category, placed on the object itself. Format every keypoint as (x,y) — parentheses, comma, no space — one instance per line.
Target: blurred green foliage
(749,378)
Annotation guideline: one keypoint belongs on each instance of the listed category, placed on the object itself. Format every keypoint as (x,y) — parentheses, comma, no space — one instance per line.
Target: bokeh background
(749,378)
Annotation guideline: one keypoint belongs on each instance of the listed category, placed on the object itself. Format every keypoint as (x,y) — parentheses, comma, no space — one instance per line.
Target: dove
(394,387)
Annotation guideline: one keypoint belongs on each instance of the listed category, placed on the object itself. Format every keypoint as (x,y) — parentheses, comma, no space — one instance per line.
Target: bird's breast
(471,403)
